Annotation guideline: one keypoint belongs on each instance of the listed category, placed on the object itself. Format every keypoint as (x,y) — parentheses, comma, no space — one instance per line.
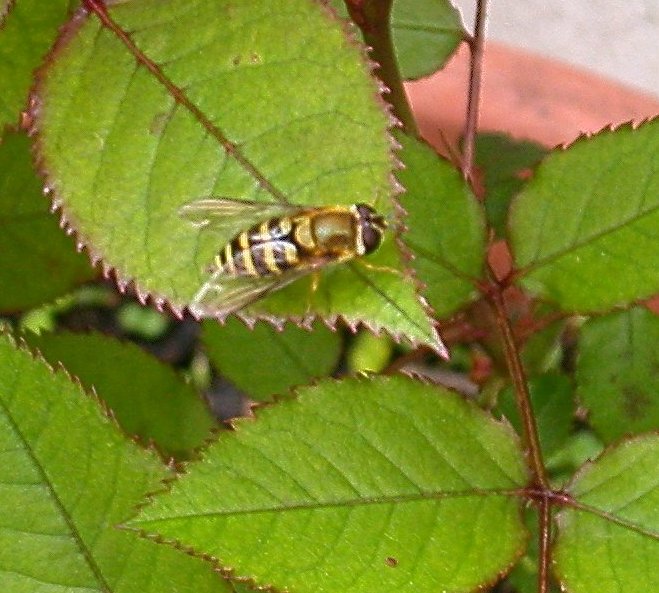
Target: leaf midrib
(580,245)
(335,504)
(64,513)
(181,98)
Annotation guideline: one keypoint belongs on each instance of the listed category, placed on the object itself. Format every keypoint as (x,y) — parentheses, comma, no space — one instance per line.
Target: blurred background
(614,38)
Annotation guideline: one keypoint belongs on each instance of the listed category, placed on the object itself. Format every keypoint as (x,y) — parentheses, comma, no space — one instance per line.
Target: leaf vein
(64,512)
(588,241)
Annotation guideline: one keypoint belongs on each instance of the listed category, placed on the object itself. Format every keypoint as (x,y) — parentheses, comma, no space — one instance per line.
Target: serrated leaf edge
(631,125)
(229,571)
(163,304)
(293,395)
(622,441)
(587,467)
(59,369)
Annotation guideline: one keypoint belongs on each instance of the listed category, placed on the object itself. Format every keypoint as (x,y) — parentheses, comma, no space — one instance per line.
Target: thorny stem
(544,543)
(476,46)
(530,432)
(373,17)
(515,367)
(518,377)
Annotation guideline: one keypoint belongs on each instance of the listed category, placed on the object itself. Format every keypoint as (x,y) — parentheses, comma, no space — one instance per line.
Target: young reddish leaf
(611,541)
(617,378)
(361,485)
(37,261)
(68,478)
(264,101)
(585,229)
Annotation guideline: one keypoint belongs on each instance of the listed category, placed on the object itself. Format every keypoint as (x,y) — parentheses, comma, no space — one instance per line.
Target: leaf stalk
(373,17)
(530,431)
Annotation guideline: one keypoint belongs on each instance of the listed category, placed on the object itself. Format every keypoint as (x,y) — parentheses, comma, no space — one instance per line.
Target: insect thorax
(333,232)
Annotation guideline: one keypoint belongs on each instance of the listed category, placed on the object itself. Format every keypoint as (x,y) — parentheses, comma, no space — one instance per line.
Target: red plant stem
(513,360)
(518,377)
(543,544)
(476,46)
(373,17)
(530,433)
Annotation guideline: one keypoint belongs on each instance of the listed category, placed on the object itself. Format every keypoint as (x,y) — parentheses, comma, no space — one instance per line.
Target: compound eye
(371,236)
(371,227)
(364,211)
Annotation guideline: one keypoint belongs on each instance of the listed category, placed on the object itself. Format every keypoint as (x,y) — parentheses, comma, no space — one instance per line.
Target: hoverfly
(279,243)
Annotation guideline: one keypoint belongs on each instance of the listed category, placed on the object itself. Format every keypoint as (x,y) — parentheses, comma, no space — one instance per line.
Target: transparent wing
(222,294)
(234,215)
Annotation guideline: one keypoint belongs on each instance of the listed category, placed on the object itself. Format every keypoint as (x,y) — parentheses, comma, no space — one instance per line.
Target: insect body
(279,244)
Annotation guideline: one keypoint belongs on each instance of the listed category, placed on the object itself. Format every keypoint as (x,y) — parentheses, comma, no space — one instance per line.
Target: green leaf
(147,398)
(445,228)
(553,407)
(580,447)
(242,588)
(68,476)
(504,162)
(617,378)
(27,30)
(264,361)
(140,321)
(426,33)
(367,353)
(542,351)
(585,229)
(38,262)
(264,102)
(611,544)
(361,485)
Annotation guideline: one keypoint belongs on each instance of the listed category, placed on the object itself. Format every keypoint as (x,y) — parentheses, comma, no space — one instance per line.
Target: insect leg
(211,285)
(374,268)
(315,283)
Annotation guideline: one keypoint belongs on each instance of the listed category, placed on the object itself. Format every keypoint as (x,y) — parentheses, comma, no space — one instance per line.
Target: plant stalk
(476,48)
(544,543)
(373,17)
(520,385)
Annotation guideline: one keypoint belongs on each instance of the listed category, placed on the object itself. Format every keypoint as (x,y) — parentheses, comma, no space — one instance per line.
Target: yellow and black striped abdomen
(265,249)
